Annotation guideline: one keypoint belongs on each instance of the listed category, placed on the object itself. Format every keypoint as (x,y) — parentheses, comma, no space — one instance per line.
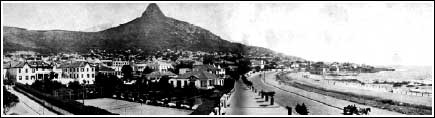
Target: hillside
(149,32)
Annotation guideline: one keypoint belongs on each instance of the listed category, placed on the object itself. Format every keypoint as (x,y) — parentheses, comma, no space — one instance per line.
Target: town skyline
(328,40)
(217,59)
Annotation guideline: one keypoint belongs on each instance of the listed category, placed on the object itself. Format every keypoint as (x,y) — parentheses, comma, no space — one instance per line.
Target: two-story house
(79,71)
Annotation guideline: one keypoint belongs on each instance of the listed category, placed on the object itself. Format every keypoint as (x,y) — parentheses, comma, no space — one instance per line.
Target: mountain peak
(153,11)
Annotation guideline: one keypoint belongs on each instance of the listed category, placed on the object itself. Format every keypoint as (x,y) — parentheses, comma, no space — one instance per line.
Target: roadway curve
(317,104)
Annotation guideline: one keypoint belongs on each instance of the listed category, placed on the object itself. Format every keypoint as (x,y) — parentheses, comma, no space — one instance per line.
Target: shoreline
(406,108)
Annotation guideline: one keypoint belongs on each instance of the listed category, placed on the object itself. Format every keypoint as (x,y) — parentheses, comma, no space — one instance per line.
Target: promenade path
(244,101)
(317,104)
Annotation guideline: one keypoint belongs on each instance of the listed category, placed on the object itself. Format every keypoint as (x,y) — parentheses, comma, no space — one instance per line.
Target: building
(201,80)
(29,72)
(217,70)
(156,75)
(184,70)
(260,63)
(139,67)
(117,66)
(160,66)
(104,70)
(79,71)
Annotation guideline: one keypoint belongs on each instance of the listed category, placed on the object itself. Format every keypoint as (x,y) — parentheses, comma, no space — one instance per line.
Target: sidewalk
(27,106)
(246,102)
(326,100)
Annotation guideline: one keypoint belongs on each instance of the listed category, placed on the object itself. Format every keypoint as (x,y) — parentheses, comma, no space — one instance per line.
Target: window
(33,70)
(87,75)
(87,69)
(32,78)
(27,77)
(27,70)
(203,83)
(93,75)
(70,76)
(83,69)
(20,78)
(19,70)
(82,75)
(211,82)
(92,69)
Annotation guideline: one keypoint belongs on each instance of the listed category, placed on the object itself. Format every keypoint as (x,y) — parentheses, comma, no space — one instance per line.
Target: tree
(9,100)
(243,66)
(147,70)
(257,68)
(127,71)
(75,85)
(208,59)
(52,75)
(173,70)
(301,109)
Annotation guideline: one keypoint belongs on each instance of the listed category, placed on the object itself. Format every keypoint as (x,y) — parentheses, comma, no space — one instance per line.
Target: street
(245,102)
(27,106)
(317,104)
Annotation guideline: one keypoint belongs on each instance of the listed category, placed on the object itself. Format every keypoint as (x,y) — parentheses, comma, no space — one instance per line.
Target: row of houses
(27,72)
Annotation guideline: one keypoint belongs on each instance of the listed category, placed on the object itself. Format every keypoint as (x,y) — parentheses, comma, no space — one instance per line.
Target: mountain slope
(151,31)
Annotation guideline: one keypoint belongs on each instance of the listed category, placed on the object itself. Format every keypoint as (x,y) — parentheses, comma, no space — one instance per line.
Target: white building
(139,67)
(160,66)
(78,71)
(117,66)
(259,63)
(201,80)
(29,72)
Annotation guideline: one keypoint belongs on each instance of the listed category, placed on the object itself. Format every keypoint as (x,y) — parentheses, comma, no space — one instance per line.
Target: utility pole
(83,95)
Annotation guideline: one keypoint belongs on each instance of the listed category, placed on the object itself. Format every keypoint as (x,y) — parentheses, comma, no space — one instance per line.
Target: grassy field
(133,108)
(391,105)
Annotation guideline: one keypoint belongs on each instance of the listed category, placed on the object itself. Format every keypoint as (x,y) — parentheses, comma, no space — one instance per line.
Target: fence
(224,103)
(49,106)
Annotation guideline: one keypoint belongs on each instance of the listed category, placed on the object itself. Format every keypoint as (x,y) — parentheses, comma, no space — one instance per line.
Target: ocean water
(422,74)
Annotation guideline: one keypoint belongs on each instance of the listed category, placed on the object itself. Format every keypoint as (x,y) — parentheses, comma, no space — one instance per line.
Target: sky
(375,33)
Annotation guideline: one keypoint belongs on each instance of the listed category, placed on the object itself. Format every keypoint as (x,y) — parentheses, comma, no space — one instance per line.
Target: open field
(132,108)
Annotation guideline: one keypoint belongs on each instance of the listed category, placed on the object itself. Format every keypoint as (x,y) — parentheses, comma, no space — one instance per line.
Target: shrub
(9,100)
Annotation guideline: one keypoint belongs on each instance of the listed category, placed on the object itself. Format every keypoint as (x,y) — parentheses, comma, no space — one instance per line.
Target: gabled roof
(160,74)
(205,67)
(159,62)
(73,64)
(7,65)
(104,68)
(198,74)
(39,64)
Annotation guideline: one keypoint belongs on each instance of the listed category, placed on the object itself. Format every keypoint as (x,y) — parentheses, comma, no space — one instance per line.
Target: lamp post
(83,94)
